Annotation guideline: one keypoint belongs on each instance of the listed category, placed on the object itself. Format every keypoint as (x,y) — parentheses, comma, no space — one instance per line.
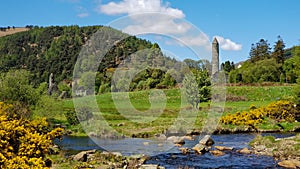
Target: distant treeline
(266,64)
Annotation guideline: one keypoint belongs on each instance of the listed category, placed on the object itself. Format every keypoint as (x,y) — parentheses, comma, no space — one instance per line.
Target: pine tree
(260,51)
(278,52)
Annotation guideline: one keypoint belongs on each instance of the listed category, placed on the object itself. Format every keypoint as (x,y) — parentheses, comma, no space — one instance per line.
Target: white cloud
(139,6)
(156,17)
(227,44)
(152,16)
(156,23)
(83,15)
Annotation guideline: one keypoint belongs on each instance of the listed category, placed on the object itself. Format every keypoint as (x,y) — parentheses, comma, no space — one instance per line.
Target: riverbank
(100,159)
(286,150)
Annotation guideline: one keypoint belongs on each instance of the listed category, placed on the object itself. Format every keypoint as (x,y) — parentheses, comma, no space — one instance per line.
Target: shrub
(72,117)
(24,143)
(253,117)
(280,111)
(15,87)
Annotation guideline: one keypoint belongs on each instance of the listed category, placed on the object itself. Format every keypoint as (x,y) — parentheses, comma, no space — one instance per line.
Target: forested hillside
(55,49)
(44,50)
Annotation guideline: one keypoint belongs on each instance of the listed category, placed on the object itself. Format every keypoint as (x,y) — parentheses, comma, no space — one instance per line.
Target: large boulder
(207,141)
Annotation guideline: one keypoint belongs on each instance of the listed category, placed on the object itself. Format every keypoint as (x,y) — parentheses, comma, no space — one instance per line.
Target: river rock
(83,156)
(200,149)
(188,138)
(260,148)
(117,154)
(160,144)
(217,152)
(289,164)
(244,151)
(285,138)
(207,140)
(160,136)
(151,166)
(184,150)
(223,148)
(178,141)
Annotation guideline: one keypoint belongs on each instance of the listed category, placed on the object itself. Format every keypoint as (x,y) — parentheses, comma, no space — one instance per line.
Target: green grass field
(142,118)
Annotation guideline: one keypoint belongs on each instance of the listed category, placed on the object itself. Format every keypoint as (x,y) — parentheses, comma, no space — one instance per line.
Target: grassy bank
(280,149)
(144,122)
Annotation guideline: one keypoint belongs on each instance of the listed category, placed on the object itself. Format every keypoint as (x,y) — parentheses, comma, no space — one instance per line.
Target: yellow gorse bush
(279,111)
(282,111)
(24,143)
(252,117)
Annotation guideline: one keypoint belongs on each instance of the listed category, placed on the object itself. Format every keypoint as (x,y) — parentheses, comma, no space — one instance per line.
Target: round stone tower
(215,56)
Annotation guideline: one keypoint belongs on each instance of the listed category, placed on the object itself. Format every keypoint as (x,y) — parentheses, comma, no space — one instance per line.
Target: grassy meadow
(143,120)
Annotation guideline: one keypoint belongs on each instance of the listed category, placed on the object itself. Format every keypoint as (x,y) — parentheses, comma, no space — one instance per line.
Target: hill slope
(55,49)
(12,31)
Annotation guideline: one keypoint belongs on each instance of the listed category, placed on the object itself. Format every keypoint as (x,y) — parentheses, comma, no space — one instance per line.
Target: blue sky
(236,23)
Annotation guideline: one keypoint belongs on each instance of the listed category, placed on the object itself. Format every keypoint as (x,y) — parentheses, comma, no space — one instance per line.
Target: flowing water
(173,158)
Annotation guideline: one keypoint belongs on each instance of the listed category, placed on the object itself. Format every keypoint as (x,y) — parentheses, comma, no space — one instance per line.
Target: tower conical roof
(215,40)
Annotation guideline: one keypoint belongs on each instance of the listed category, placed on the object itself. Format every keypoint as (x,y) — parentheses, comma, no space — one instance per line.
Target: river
(173,158)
